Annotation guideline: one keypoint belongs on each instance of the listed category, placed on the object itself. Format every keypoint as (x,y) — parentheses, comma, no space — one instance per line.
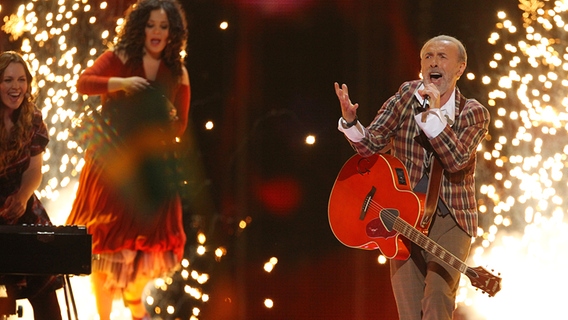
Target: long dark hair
(132,35)
(12,142)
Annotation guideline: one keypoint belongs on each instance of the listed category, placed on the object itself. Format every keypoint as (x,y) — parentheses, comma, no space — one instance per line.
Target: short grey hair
(462,54)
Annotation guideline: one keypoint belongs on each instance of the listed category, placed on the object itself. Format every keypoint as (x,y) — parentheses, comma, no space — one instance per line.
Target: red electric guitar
(372,206)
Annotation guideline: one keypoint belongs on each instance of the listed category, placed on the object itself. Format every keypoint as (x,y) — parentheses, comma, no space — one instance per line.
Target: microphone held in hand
(425,105)
(426,102)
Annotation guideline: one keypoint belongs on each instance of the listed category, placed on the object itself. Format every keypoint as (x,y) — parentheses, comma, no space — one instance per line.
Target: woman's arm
(182,102)
(102,77)
(15,204)
(129,85)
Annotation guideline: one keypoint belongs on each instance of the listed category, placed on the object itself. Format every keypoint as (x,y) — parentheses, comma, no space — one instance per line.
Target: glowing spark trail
(523,207)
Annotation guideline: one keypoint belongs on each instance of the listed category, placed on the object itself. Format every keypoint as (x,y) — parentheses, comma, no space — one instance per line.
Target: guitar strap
(433,191)
(434,179)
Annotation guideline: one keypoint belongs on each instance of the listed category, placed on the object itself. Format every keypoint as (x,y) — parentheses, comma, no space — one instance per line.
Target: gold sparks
(16,24)
(530,9)
(525,168)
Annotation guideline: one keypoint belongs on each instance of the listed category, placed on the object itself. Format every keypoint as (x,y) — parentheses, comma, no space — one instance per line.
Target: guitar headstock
(484,280)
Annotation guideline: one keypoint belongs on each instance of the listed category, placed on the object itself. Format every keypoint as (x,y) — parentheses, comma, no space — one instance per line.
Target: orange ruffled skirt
(127,238)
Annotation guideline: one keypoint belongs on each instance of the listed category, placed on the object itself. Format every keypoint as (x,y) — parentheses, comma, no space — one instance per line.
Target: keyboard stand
(8,305)
(68,291)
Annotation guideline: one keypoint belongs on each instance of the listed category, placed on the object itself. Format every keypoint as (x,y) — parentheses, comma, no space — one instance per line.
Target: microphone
(426,102)
(425,105)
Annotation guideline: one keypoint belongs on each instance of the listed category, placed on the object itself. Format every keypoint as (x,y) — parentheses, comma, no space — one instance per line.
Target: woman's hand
(134,84)
(15,204)
(14,208)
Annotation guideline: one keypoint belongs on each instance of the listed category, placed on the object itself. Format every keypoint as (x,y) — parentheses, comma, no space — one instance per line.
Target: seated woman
(23,139)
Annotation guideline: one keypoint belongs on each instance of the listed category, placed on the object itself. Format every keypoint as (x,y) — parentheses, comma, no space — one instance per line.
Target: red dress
(100,205)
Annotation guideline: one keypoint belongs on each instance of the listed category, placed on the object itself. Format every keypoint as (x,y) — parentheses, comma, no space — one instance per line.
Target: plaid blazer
(456,147)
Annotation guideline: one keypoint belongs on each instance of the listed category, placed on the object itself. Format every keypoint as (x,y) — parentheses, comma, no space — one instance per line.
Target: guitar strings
(390,217)
(425,242)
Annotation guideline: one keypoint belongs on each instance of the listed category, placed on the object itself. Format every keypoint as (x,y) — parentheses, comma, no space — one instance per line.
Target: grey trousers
(425,287)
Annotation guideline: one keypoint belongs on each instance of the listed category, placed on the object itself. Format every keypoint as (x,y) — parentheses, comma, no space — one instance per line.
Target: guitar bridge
(366,203)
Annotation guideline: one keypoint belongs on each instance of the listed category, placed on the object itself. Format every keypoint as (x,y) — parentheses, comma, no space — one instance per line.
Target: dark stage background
(266,82)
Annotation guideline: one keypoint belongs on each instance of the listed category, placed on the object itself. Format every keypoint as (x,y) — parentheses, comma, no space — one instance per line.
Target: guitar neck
(427,244)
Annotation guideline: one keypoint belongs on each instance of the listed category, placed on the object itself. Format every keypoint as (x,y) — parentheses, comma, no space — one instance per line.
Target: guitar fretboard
(427,244)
